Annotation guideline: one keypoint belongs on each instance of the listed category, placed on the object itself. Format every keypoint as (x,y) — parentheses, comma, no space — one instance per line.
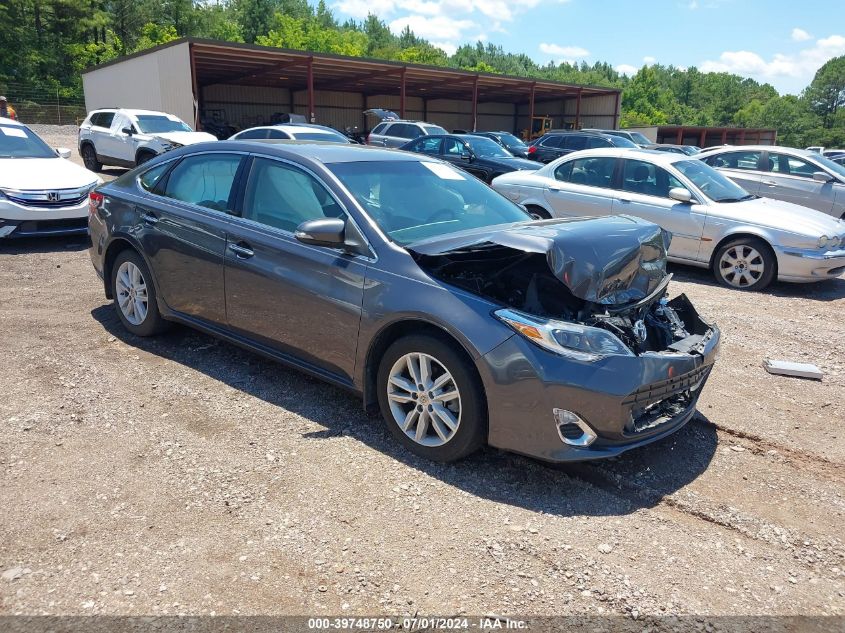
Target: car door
(300,300)
(744,167)
(460,155)
(790,178)
(582,187)
(100,132)
(122,145)
(182,228)
(548,149)
(644,193)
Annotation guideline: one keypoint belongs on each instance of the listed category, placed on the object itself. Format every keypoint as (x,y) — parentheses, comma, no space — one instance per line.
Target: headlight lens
(823,240)
(833,242)
(572,340)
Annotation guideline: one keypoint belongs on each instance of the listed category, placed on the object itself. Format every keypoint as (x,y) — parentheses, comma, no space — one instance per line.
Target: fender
(125,237)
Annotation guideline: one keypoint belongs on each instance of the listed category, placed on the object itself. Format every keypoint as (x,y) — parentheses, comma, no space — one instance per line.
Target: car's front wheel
(135,296)
(432,399)
(745,263)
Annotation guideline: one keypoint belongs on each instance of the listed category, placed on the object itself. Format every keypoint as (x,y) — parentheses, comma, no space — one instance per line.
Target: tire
(746,263)
(89,158)
(129,274)
(539,213)
(144,156)
(462,419)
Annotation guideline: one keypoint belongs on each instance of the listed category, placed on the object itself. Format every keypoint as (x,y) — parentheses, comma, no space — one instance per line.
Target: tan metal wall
(596,112)
(245,106)
(160,80)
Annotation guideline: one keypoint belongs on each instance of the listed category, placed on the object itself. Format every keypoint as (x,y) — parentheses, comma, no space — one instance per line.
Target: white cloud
(626,69)
(791,72)
(571,52)
(434,27)
(693,5)
(649,60)
(448,47)
(800,35)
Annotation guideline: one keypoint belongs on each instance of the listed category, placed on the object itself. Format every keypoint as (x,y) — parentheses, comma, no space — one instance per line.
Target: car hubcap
(131,293)
(424,399)
(741,266)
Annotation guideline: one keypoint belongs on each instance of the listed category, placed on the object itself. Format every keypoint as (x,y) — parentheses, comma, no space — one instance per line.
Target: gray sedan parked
(783,173)
(414,284)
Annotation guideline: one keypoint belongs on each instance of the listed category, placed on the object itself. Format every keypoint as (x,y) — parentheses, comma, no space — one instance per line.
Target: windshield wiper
(750,196)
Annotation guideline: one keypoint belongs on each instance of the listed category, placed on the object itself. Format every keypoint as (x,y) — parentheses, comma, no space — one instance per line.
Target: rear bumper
(626,402)
(798,265)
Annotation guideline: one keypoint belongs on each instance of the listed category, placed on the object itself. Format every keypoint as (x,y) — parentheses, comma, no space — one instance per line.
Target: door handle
(625,200)
(149,218)
(555,189)
(241,251)
(770,183)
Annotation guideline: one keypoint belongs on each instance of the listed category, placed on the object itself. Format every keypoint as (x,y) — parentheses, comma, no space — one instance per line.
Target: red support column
(578,111)
(724,136)
(402,94)
(616,110)
(679,140)
(703,138)
(475,104)
(742,136)
(312,118)
(531,112)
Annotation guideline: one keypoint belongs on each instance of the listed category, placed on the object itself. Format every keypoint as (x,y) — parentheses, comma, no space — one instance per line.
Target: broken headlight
(573,340)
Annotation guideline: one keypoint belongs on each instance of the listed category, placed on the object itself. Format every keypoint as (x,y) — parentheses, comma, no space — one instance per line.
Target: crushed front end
(602,360)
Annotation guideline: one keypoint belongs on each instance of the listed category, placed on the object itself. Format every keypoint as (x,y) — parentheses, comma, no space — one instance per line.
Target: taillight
(531,149)
(95,199)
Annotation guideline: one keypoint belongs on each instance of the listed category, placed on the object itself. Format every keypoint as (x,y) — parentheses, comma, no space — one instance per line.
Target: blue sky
(781,42)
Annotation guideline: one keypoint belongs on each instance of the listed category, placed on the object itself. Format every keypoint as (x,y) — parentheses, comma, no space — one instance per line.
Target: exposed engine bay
(561,274)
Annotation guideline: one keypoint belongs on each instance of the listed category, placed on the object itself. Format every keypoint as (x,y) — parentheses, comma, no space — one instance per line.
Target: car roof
(294,128)
(326,153)
(651,155)
(11,122)
(131,111)
(759,148)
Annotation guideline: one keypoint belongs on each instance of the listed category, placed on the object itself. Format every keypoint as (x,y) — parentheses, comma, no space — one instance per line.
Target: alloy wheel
(424,399)
(742,266)
(131,290)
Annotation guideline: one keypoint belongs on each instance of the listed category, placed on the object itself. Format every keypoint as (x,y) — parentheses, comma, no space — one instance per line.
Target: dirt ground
(183,475)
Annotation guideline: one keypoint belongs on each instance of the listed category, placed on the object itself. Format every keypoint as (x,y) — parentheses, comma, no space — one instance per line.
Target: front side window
(204,180)
(252,134)
(487,148)
(593,172)
(790,165)
(453,147)
(736,160)
(574,142)
(326,136)
(712,183)
(379,128)
(283,197)
(428,145)
(550,141)
(277,134)
(639,176)
(599,142)
(416,200)
(434,129)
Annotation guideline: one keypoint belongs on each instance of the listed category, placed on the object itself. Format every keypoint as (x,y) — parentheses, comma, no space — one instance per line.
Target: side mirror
(822,176)
(466,155)
(127,131)
(680,194)
(63,152)
(322,232)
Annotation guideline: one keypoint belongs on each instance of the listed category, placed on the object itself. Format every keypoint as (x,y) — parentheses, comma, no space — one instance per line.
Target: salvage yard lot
(183,475)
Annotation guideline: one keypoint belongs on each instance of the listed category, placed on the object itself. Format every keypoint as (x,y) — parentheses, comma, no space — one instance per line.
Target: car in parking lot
(689,150)
(397,132)
(126,138)
(41,192)
(553,145)
(784,173)
(747,241)
(637,138)
(510,142)
(481,157)
(404,279)
(293,132)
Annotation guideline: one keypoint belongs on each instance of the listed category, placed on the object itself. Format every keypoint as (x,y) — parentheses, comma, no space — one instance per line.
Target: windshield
(711,183)
(21,142)
(621,141)
(512,141)
(157,123)
(640,138)
(689,150)
(486,148)
(416,200)
(434,129)
(836,168)
(330,137)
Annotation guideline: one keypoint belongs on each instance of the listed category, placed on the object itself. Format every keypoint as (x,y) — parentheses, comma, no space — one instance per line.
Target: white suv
(127,138)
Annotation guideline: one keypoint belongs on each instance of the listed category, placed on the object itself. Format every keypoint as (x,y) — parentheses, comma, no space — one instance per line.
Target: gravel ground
(183,475)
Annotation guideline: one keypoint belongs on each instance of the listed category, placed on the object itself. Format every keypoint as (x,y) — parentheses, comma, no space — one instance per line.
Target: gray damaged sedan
(406,280)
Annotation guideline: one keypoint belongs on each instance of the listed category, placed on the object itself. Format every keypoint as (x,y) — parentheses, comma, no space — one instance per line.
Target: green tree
(826,93)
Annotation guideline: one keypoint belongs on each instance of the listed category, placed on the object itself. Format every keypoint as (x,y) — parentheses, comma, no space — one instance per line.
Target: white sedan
(41,192)
(747,241)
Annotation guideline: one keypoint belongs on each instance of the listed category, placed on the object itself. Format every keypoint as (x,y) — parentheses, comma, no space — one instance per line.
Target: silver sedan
(746,240)
(784,173)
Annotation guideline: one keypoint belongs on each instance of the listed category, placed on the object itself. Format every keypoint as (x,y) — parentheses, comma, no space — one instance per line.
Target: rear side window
(277,134)
(379,129)
(429,145)
(249,134)
(641,177)
(736,160)
(205,180)
(282,196)
(405,130)
(102,119)
(594,172)
(598,142)
(551,141)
